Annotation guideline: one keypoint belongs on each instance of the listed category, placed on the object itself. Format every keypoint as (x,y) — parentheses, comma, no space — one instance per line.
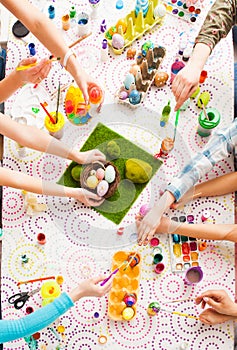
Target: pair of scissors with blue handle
(19,299)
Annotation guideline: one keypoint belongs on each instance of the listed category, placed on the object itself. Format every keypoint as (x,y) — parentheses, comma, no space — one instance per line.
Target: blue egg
(134,97)
(129,80)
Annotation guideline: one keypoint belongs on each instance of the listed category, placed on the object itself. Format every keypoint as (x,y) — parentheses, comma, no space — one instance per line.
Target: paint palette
(184,251)
(122,301)
(179,9)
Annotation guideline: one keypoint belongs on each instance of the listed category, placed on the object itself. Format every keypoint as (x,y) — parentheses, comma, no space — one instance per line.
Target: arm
(50,37)
(216,26)
(32,137)
(30,324)
(214,232)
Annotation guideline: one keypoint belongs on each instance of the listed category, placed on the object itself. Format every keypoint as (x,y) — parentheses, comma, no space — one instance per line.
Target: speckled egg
(100,174)
(92,182)
(123,95)
(92,172)
(117,41)
(129,80)
(102,188)
(159,11)
(110,174)
(161,79)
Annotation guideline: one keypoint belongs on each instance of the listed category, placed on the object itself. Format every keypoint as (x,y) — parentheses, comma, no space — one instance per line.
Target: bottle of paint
(205,126)
(104,54)
(72,12)
(175,68)
(187,53)
(51,11)
(65,22)
(31,47)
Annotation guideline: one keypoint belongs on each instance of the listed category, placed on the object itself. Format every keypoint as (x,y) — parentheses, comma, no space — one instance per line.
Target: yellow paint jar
(66,22)
(55,130)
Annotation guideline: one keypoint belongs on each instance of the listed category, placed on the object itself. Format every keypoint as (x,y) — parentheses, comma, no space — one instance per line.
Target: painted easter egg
(110,174)
(123,95)
(134,97)
(128,313)
(100,174)
(92,182)
(102,188)
(121,23)
(153,308)
(159,11)
(130,299)
(129,80)
(95,94)
(117,41)
(161,79)
(134,69)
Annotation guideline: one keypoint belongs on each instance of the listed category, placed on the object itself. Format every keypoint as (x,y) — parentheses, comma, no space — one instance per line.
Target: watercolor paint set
(184,251)
(179,9)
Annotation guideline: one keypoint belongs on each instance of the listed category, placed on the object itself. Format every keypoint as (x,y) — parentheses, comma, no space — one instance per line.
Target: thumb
(211,302)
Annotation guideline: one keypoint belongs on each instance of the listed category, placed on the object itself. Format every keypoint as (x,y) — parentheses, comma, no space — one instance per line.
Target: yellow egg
(92,182)
(128,313)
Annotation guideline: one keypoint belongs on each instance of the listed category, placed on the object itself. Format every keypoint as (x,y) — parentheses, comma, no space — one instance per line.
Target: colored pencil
(36,280)
(176,123)
(20,68)
(48,114)
(58,102)
(79,40)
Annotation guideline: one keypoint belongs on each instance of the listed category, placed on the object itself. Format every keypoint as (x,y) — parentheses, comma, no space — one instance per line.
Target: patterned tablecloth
(80,242)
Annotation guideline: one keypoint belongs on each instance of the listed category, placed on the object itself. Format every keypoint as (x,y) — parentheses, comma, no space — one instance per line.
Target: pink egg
(144,209)
(102,188)
(123,95)
(100,174)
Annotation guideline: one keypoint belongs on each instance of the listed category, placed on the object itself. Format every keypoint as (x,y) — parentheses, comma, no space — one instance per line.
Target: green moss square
(117,206)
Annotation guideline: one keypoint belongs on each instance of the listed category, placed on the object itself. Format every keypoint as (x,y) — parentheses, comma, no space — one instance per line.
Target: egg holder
(86,172)
(136,26)
(149,66)
(125,282)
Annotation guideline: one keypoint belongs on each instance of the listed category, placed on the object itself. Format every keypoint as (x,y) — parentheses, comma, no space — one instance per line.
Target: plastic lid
(19,30)
(119,4)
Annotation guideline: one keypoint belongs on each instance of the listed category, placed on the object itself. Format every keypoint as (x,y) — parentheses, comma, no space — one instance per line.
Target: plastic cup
(193,275)
(159,268)
(206,126)
(83,24)
(55,130)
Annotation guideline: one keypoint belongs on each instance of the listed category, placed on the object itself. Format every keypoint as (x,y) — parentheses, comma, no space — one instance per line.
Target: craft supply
(56,118)
(165,115)
(96,316)
(206,126)
(94,8)
(153,308)
(205,215)
(193,275)
(176,123)
(24,259)
(79,40)
(102,339)
(103,26)
(59,279)
(51,11)
(19,299)
(204,109)
(180,300)
(181,314)
(36,280)
(56,128)
(180,9)
(29,310)
(130,299)
(72,12)
(66,22)
(84,26)
(104,54)
(187,53)
(19,30)
(184,250)
(157,258)
(41,239)
(154,242)
(48,114)
(203,76)
(125,283)
(53,59)
(113,273)
(31,47)
(159,268)
(175,68)
(119,4)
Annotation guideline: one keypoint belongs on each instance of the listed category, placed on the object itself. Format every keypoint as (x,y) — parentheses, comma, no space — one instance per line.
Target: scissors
(19,299)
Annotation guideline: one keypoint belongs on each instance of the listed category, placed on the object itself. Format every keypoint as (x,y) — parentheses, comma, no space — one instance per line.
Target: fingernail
(205,298)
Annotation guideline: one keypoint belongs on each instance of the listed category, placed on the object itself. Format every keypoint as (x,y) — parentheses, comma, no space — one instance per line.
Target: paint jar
(55,130)
(203,76)
(157,250)
(104,53)
(206,126)
(72,12)
(159,268)
(193,275)
(66,22)
(41,239)
(175,68)
(31,47)
(94,8)
(51,11)
(154,242)
(157,258)
(83,24)
(205,215)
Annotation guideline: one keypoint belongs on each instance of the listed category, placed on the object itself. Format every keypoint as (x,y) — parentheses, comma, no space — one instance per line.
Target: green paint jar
(206,126)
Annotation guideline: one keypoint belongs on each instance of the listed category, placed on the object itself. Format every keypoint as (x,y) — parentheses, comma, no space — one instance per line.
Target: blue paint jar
(51,11)
(32,49)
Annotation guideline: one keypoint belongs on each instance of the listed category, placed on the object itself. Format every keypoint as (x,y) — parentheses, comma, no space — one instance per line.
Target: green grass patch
(117,206)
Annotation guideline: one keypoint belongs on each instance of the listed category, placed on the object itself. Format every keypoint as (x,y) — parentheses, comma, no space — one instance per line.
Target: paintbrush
(36,280)
(48,114)
(181,314)
(129,261)
(180,300)
(63,87)
(176,123)
(112,273)
(79,40)
(20,68)
(56,117)
(204,109)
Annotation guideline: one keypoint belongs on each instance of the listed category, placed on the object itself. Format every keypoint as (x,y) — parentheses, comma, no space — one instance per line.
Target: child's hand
(34,74)
(91,288)
(219,300)
(87,197)
(146,228)
(90,156)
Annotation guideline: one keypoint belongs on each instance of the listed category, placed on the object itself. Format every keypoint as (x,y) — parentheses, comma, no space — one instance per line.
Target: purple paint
(193,275)
(193,246)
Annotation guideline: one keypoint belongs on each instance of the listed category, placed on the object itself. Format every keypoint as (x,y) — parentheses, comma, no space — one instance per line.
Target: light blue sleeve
(219,147)
(30,324)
